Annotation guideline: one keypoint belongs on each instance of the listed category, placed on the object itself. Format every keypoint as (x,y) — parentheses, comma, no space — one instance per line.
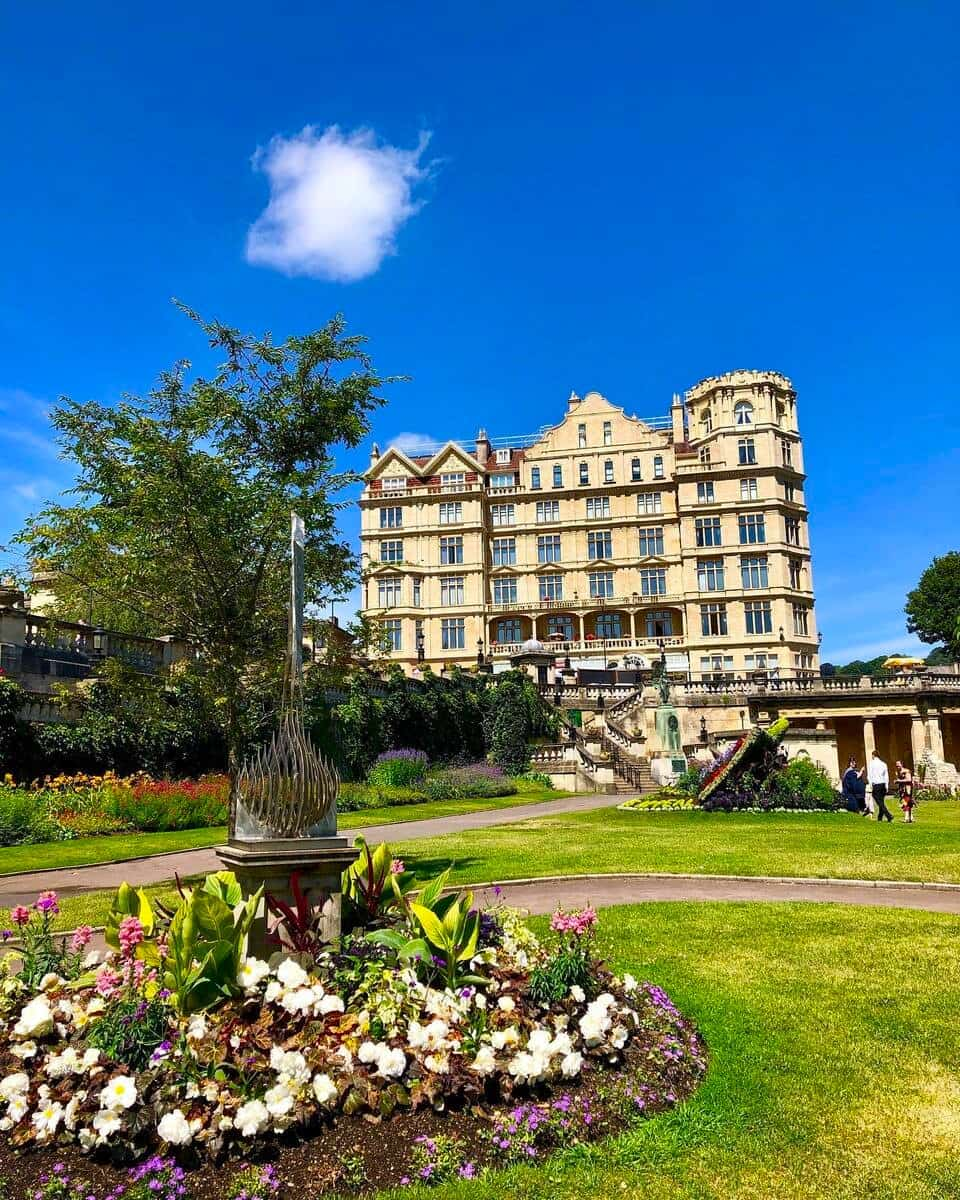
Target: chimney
(374,454)
(483,447)
(676,414)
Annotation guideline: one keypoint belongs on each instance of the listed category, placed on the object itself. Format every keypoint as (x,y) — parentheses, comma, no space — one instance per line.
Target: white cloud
(17,401)
(336,202)
(34,441)
(414,443)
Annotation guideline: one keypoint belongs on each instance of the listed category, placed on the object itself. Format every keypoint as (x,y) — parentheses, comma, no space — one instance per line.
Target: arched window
(743,412)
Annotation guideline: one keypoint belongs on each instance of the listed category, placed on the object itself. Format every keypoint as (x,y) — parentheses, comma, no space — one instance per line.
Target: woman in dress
(904,780)
(854,789)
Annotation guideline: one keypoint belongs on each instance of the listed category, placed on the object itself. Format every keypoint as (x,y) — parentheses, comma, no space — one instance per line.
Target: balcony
(600,646)
(426,491)
(585,603)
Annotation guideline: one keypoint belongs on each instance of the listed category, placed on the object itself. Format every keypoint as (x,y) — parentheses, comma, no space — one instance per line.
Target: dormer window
(503,456)
(394,483)
(452,480)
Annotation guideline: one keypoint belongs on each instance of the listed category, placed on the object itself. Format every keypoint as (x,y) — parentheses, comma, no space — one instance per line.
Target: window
(607,433)
(504,552)
(451,551)
(790,493)
(394,483)
(560,627)
(599,544)
(505,591)
(598,506)
(548,547)
(453,481)
(705,493)
(786,453)
(635,470)
(503,456)
(658,466)
(801,620)
(649,503)
(796,573)
(509,631)
(748,489)
(803,662)
(451,513)
(651,541)
(581,436)
(551,587)
(751,528)
(713,620)
(653,581)
(501,514)
(607,625)
(743,413)
(746,452)
(547,511)
(601,584)
(417,593)
(762,662)
(584,474)
(391,630)
(391,551)
(791,527)
(502,479)
(418,638)
(706,421)
(608,471)
(388,592)
(659,623)
(535,478)
(708,531)
(451,589)
(557,475)
(710,574)
(753,572)
(759,618)
(716,666)
(704,456)
(391,518)
(451,633)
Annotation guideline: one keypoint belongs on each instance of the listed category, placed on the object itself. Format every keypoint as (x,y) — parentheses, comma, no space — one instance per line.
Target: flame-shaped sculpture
(286,787)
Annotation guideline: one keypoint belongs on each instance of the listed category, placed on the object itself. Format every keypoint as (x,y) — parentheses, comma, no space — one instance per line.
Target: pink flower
(20,915)
(48,903)
(397,867)
(130,935)
(107,981)
(81,938)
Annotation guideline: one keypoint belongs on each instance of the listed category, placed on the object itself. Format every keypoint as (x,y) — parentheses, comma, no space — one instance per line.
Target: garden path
(158,868)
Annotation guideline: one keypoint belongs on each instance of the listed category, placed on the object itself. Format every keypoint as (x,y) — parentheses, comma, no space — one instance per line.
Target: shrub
(354,797)
(157,806)
(536,779)
(800,784)
(477,781)
(395,768)
(24,818)
(923,795)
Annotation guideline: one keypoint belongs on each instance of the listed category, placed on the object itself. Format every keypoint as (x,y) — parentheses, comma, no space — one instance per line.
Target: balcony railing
(595,645)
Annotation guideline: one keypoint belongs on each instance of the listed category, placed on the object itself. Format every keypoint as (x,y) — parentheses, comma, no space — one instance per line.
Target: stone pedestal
(270,862)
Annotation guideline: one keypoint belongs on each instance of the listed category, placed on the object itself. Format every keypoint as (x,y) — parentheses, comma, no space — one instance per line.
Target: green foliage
(373,884)
(14,734)
(130,1029)
(551,981)
(688,782)
(398,771)
(665,800)
(933,607)
(24,818)
(206,944)
(133,902)
(453,935)
(801,784)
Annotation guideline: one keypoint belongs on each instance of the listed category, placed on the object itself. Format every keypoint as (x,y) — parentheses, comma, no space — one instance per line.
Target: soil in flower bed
(361,1154)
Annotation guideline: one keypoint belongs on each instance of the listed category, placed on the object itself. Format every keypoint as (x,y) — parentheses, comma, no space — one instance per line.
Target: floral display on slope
(739,756)
(175,1041)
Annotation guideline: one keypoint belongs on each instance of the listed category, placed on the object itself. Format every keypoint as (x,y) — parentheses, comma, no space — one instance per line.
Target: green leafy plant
(130,1030)
(374,883)
(453,935)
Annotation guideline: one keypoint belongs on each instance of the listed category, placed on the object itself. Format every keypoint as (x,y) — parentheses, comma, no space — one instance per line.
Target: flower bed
(479,1043)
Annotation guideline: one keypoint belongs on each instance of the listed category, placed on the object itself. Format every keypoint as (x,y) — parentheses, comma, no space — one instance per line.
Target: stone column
(935,734)
(918,738)
(869,744)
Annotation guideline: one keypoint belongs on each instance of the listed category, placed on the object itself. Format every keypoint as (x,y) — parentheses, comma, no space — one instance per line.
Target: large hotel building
(607,537)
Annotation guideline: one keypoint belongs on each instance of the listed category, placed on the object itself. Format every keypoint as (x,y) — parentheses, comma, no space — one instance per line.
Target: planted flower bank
(431,1041)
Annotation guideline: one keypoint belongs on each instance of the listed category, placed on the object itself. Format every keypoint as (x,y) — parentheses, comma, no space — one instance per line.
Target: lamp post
(420,648)
(479,652)
(704,736)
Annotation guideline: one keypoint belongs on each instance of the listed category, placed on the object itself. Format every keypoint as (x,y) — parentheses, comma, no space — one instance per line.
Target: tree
(183,501)
(933,607)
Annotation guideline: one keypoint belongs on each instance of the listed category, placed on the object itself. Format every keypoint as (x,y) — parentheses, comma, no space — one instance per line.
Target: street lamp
(479,652)
(703,731)
(782,638)
(420,649)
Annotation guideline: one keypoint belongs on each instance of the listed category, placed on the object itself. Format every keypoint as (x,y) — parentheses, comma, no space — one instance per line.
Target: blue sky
(626,198)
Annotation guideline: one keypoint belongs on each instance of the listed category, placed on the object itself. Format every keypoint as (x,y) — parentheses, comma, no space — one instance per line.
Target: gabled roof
(421,465)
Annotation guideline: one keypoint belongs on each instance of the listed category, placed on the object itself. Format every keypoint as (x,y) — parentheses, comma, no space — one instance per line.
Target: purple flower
(467,1171)
(48,903)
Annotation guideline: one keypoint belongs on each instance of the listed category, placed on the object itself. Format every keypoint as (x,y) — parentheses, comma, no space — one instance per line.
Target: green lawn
(398,813)
(839,845)
(834,1036)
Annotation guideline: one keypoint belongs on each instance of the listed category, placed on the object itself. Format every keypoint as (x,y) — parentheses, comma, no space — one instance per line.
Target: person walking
(879,779)
(905,788)
(853,789)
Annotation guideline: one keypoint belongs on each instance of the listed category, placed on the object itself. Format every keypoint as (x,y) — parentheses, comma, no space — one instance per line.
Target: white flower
(526,1067)
(571,1064)
(501,1038)
(392,1063)
(346,1057)
(485,1063)
(561,1044)
(87,1139)
(24,1049)
(197,1029)
(50,980)
(578,994)
(618,1037)
(437,1063)
(107,1122)
(506,1004)
(70,1112)
(35,1019)
(175,1129)
(539,1041)
(17,1109)
(416,1035)
(46,1119)
(291,974)
(274,991)
(324,1089)
(298,1000)
(289,1065)
(120,1092)
(251,1118)
(480,1000)
(629,983)
(367,1053)
(60,1065)
(252,972)
(279,1099)
(17,1084)
(329,1004)
(91,1057)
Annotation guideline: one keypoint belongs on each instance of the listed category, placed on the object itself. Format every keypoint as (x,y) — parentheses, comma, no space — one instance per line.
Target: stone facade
(608,537)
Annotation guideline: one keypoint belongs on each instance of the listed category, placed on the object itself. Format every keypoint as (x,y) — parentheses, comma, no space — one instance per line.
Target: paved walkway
(71,881)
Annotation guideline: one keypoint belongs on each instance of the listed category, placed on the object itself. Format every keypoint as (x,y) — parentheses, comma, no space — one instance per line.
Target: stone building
(607,537)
